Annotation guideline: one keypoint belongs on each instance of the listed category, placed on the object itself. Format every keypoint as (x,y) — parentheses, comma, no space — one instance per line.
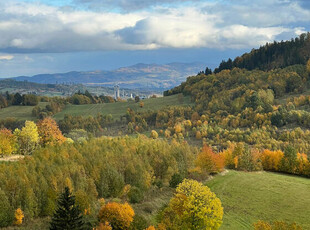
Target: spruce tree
(67,215)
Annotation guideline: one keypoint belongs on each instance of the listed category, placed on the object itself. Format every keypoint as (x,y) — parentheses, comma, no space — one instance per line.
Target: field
(19,112)
(118,109)
(249,197)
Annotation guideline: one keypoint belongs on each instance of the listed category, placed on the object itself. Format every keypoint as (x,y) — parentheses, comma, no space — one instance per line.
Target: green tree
(6,211)
(17,99)
(67,215)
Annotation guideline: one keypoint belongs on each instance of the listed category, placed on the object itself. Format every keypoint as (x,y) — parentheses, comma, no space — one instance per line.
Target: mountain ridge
(140,75)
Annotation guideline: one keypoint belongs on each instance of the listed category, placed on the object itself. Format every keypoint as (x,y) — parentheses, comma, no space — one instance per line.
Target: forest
(252,116)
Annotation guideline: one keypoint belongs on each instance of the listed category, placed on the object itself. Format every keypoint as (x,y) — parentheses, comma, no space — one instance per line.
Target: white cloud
(6,57)
(35,27)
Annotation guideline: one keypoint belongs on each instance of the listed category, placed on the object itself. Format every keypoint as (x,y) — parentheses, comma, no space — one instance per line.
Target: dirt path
(12,158)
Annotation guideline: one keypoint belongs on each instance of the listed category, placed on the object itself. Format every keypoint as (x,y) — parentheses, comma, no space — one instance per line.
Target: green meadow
(251,196)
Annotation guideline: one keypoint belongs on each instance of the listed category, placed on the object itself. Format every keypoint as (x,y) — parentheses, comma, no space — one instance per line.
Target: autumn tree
(118,215)
(7,142)
(308,66)
(193,207)
(28,137)
(49,132)
(67,215)
(104,226)
(210,162)
(154,134)
(19,216)
(277,225)
(271,159)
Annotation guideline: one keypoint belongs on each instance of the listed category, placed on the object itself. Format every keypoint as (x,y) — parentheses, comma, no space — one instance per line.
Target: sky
(50,36)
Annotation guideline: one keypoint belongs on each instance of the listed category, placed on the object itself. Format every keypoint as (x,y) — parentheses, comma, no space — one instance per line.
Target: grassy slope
(249,197)
(19,112)
(120,108)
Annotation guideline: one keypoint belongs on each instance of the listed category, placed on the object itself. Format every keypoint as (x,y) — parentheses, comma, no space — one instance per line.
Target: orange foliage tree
(118,215)
(19,216)
(49,132)
(210,162)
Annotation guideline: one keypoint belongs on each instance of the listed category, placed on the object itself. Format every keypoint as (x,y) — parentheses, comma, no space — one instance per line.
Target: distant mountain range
(140,76)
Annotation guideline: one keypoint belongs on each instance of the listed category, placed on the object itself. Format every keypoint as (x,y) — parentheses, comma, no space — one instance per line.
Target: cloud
(39,28)
(128,5)
(6,57)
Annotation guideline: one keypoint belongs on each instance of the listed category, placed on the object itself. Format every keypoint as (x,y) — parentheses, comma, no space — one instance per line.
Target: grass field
(19,112)
(118,109)
(249,197)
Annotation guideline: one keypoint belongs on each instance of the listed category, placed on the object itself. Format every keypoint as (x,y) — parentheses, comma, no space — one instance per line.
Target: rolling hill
(146,76)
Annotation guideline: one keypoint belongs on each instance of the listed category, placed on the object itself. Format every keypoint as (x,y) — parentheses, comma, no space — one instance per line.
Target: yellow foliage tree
(154,134)
(7,142)
(178,128)
(118,215)
(193,207)
(19,216)
(151,228)
(104,226)
(28,137)
(308,66)
(49,132)
(271,159)
(198,135)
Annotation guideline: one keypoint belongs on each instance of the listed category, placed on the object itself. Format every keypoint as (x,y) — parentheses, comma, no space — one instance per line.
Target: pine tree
(67,215)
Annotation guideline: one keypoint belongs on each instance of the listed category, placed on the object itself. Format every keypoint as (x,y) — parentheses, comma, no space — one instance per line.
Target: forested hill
(272,55)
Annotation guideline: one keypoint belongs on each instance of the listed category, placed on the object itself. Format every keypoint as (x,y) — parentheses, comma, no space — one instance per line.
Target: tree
(210,162)
(67,215)
(49,132)
(19,216)
(289,161)
(308,66)
(30,100)
(277,225)
(7,142)
(6,211)
(137,99)
(154,134)
(105,226)
(17,99)
(193,207)
(118,215)
(28,137)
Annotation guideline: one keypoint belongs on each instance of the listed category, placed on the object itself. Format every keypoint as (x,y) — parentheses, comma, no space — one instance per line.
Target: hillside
(249,197)
(272,55)
(146,76)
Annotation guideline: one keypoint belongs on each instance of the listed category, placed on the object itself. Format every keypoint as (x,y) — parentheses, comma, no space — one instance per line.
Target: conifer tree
(67,215)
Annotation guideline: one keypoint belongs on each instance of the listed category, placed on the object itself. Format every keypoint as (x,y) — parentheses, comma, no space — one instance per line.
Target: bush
(175,180)
(139,223)
(135,195)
